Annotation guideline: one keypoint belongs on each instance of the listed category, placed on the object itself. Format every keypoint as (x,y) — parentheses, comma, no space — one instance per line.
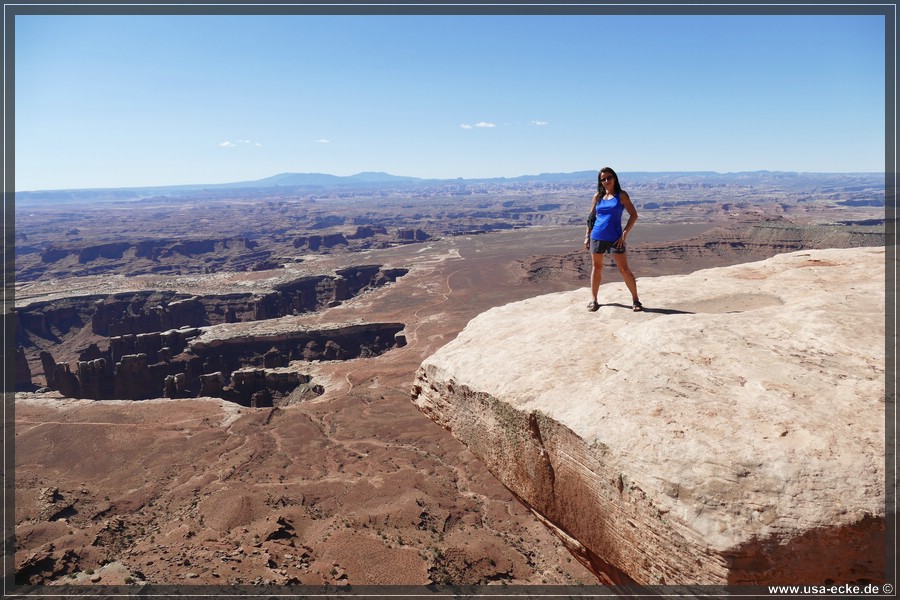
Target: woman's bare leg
(627,276)
(596,273)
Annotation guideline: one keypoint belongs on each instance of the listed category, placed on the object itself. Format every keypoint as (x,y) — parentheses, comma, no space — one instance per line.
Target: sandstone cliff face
(731,434)
(142,311)
(147,333)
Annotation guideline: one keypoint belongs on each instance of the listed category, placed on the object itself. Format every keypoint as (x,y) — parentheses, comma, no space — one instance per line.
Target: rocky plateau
(706,440)
(213,388)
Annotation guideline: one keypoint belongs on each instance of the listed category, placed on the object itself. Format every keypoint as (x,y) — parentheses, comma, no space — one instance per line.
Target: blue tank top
(608,226)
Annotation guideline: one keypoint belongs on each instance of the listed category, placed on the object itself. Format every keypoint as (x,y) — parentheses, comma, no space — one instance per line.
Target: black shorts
(601,246)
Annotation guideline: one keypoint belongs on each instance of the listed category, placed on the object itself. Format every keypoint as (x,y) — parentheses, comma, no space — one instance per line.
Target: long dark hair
(602,190)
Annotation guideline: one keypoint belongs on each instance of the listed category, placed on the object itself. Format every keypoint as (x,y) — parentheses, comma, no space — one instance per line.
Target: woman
(605,234)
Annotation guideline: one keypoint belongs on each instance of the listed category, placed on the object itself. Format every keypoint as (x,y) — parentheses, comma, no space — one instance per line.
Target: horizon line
(411,178)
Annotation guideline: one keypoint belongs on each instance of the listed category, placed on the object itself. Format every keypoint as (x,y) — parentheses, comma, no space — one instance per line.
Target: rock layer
(733,433)
(148,351)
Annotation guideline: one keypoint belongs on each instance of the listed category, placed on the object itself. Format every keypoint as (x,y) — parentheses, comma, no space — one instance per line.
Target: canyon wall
(145,340)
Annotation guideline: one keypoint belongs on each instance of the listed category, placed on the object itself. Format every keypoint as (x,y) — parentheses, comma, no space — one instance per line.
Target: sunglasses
(605,179)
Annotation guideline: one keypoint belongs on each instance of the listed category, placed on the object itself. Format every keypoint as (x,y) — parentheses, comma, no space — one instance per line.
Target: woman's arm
(625,199)
(590,220)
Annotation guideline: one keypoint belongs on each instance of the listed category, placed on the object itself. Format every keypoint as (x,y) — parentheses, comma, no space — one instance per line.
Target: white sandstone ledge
(734,433)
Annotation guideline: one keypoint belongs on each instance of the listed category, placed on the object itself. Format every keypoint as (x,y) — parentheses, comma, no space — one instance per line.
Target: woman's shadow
(659,311)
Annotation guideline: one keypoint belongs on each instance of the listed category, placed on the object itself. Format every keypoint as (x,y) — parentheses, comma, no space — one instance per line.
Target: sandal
(637,306)
(593,306)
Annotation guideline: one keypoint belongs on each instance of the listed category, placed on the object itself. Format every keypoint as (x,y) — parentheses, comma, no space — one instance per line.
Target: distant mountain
(317,179)
(311,182)
(377,177)
(285,180)
(288,179)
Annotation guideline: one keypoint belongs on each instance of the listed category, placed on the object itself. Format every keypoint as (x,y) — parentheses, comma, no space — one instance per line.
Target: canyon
(237,407)
(143,344)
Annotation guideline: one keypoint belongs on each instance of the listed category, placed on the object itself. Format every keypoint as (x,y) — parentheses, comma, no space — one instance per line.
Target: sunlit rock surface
(733,433)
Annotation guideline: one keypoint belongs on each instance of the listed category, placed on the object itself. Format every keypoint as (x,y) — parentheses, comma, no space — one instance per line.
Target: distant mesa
(364,232)
(318,242)
(412,235)
(323,179)
(285,180)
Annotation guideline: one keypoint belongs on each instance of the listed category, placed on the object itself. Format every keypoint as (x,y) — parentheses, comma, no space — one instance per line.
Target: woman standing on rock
(606,235)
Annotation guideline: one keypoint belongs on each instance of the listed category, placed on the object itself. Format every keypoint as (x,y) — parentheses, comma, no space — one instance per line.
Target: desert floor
(356,487)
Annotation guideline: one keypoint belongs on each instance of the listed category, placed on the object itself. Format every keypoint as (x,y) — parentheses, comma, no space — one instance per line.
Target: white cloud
(323,141)
(539,123)
(230,144)
(483,124)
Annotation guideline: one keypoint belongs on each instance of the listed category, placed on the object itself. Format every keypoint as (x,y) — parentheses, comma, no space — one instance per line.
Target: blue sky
(125,101)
